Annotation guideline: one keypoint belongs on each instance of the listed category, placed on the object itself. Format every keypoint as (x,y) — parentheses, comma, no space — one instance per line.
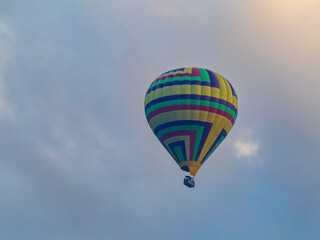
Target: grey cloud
(80,162)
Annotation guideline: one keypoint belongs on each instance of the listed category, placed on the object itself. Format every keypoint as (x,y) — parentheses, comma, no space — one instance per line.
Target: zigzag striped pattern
(191,111)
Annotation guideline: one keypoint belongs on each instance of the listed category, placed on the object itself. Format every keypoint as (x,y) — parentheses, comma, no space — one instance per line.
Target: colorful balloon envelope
(191,111)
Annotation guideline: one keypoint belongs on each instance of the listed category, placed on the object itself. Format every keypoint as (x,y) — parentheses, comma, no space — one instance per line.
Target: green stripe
(204,75)
(194,78)
(198,129)
(192,102)
(178,151)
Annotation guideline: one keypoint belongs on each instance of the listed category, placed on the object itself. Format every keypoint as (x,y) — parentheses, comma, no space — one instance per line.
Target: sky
(78,159)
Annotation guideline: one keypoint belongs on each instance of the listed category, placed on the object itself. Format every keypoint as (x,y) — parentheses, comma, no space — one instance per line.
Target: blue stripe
(182,145)
(167,84)
(213,79)
(191,96)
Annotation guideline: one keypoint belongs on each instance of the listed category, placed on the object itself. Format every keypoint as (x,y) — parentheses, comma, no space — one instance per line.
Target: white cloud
(245,149)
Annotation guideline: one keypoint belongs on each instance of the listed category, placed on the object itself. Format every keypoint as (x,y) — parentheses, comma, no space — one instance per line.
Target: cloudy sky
(78,160)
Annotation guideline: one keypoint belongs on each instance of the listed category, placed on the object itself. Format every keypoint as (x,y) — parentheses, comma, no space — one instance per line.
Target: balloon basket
(189,181)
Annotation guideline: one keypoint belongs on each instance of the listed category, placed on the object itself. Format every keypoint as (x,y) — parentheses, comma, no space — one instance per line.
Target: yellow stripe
(159,93)
(229,95)
(176,89)
(229,90)
(193,166)
(219,123)
(213,134)
(187,89)
(195,89)
(176,116)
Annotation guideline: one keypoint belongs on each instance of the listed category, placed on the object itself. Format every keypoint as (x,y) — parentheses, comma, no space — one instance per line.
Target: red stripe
(190,133)
(190,107)
(195,72)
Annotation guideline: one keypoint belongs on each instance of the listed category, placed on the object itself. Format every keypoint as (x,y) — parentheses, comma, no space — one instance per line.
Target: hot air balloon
(191,111)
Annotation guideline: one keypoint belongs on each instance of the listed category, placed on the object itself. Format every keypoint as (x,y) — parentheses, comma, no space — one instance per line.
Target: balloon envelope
(191,111)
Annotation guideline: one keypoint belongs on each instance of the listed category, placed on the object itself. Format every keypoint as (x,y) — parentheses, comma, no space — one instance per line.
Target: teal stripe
(198,129)
(191,102)
(179,154)
(204,75)
(194,78)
